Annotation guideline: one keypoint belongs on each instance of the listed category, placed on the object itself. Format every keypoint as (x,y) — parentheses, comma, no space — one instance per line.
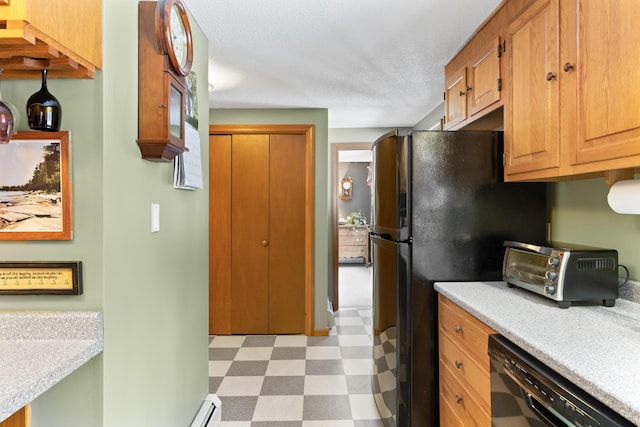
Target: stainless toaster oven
(563,272)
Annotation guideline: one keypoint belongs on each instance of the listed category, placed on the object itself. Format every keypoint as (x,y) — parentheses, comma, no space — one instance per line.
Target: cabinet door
(456,97)
(531,113)
(608,76)
(484,75)
(250,234)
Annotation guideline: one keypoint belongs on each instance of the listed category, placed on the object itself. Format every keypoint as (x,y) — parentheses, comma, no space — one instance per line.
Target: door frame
(219,307)
(364,146)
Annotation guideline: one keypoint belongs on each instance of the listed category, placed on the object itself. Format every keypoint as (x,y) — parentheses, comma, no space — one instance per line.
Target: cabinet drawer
(352,251)
(353,240)
(448,417)
(465,330)
(461,401)
(466,369)
(352,231)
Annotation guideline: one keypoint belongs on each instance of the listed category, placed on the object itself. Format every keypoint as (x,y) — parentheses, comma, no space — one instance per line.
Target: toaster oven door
(525,269)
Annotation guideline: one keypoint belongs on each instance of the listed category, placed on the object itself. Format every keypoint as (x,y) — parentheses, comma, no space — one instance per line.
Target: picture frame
(35,187)
(41,278)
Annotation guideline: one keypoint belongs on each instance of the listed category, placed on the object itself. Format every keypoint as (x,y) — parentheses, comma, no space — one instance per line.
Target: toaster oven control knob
(550,289)
(554,261)
(551,275)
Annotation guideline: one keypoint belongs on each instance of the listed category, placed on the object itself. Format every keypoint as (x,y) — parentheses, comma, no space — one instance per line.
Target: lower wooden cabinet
(353,241)
(465,395)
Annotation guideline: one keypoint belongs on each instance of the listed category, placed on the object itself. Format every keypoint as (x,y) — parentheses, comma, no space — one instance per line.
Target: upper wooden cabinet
(474,86)
(64,37)
(606,77)
(572,106)
(570,87)
(484,83)
(455,97)
(474,78)
(532,119)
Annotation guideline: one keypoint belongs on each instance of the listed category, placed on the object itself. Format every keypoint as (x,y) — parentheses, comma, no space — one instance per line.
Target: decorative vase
(44,112)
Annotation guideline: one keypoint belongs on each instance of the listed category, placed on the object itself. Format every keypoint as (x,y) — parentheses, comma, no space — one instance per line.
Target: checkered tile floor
(294,380)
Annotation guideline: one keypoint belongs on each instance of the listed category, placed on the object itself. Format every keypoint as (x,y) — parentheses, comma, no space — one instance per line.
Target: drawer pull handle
(458,329)
(458,364)
(458,399)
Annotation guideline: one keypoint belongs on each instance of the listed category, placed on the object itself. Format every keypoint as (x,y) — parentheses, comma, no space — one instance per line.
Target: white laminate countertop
(38,349)
(596,347)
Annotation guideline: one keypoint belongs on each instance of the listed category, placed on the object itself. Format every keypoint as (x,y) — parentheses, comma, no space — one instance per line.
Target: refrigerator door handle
(386,243)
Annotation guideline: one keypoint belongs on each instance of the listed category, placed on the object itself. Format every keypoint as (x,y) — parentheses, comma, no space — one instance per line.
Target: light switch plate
(155,217)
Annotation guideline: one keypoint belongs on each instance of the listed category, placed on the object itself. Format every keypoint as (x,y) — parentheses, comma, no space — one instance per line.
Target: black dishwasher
(526,393)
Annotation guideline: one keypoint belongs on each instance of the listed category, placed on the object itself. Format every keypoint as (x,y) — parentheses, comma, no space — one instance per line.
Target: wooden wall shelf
(65,37)
(26,51)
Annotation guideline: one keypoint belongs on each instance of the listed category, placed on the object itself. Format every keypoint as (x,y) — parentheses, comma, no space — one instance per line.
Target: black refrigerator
(440,212)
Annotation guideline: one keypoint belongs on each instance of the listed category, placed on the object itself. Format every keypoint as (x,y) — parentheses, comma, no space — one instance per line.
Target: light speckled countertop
(38,349)
(597,348)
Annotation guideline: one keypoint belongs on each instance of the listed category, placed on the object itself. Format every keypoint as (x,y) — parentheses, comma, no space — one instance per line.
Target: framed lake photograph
(35,190)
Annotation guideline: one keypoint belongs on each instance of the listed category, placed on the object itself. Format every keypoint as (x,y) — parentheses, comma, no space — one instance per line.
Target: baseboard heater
(210,413)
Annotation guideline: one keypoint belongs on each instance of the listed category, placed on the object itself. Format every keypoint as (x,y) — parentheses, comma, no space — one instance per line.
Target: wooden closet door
(287,231)
(219,234)
(250,234)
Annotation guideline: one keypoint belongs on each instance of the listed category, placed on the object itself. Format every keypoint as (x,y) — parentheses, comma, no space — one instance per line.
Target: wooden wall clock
(165,56)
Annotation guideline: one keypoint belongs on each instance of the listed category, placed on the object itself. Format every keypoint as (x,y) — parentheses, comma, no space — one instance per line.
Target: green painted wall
(76,401)
(152,287)
(580,214)
(321,248)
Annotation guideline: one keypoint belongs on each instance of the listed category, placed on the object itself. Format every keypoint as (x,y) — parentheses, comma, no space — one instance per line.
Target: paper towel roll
(624,197)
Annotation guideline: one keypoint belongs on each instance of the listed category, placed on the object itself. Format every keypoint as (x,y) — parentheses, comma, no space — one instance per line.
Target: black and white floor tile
(294,380)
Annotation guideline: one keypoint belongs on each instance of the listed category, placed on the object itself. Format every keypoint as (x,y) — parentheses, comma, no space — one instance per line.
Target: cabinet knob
(469,88)
(462,93)
(568,67)
(265,243)
(458,364)
(458,329)
(458,399)
(550,76)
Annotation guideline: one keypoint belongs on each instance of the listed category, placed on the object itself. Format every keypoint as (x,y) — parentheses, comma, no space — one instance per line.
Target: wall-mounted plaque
(41,278)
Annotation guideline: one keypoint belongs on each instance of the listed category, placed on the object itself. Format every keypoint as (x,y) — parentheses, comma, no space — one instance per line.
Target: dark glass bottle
(44,112)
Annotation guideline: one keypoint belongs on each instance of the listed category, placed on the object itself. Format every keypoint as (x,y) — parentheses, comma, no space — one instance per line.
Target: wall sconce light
(346,188)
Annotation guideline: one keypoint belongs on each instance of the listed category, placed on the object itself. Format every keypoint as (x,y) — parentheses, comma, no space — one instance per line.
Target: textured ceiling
(371,63)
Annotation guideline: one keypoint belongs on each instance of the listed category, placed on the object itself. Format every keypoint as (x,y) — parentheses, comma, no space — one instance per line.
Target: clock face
(173,33)
(178,34)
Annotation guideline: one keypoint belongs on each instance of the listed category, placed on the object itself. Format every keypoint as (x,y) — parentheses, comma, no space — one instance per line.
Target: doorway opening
(350,224)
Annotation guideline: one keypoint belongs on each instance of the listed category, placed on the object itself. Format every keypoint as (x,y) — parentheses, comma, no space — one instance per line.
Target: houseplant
(356,218)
